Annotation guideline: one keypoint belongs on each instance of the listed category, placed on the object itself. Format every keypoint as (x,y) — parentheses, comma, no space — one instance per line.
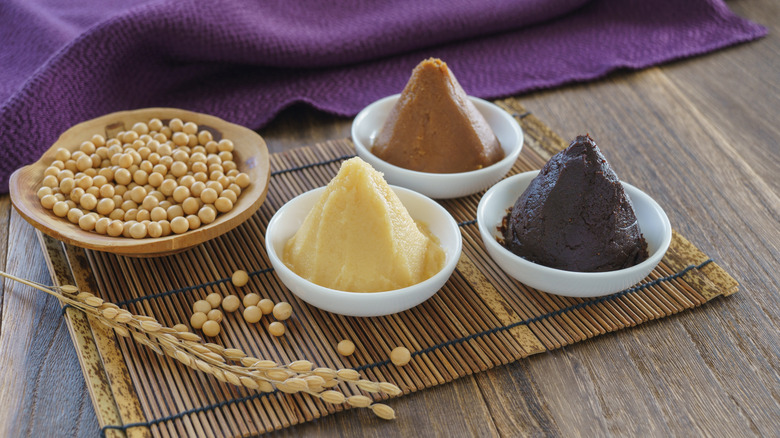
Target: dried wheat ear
(229,365)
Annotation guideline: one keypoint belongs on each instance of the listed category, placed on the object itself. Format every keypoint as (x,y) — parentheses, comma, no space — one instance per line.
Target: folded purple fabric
(65,62)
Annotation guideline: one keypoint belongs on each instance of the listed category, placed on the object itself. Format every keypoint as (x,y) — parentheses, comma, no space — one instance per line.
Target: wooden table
(700,135)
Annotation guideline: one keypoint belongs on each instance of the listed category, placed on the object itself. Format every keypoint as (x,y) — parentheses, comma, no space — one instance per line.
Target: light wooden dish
(250,155)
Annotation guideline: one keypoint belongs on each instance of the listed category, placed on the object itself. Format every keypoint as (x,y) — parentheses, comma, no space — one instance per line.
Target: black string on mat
(427,350)
(379,363)
(188,288)
(216,282)
(545,316)
(521,115)
(266,270)
(185,413)
(65,308)
(307,166)
(258,272)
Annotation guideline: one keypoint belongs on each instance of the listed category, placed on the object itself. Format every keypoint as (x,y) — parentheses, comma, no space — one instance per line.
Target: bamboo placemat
(480,319)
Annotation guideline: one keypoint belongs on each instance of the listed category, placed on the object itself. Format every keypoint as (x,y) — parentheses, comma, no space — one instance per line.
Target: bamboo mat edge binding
(112,392)
(111,388)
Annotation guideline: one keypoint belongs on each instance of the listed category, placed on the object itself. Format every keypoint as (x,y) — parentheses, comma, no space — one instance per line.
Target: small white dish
(653,223)
(370,120)
(288,219)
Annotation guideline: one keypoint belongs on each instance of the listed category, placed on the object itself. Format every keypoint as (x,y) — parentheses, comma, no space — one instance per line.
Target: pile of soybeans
(150,181)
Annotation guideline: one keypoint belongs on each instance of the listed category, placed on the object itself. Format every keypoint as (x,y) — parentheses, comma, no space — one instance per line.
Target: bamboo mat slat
(480,319)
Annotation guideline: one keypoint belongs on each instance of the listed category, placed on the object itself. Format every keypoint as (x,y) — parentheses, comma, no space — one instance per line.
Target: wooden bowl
(250,155)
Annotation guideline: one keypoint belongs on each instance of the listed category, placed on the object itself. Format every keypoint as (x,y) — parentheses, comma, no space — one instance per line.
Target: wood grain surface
(699,135)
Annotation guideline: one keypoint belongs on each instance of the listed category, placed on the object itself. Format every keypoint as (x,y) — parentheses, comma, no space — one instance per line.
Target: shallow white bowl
(369,121)
(501,197)
(289,219)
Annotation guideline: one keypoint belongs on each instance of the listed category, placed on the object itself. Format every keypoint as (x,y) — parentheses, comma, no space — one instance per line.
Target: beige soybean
(282,311)
(214,299)
(230,303)
(105,206)
(117,214)
(50,181)
(158,213)
(101,225)
(174,211)
(88,202)
(74,214)
(208,195)
(225,145)
(215,315)
(48,201)
(43,191)
(266,306)
(190,206)
(150,202)
(115,228)
(207,215)
(200,177)
(252,314)
(67,185)
(62,154)
(251,299)
(107,191)
(168,186)
(138,230)
(229,195)
(154,229)
(243,180)
(205,137)
(202,306)
(166,227)
(142,215)
(197,188)
(210,328)
(87,222)
(276,328)
(179,225)
(198,319)
(60,208)
(223,204)
(126,228)
(400,356)
(137,194)
(240,278)
(345,347)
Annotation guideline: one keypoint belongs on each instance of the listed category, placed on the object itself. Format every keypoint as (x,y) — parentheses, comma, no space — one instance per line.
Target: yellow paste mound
(435,128)
(360,238)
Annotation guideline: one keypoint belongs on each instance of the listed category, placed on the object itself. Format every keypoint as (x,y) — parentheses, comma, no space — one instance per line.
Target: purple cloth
(63,62)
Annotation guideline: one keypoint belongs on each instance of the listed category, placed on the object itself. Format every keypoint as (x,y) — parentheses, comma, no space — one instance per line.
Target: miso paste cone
(360,238)
(435,128)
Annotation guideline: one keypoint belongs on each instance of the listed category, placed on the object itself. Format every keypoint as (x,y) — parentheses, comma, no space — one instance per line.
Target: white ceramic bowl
(289,219)
(501,197)
(369,121)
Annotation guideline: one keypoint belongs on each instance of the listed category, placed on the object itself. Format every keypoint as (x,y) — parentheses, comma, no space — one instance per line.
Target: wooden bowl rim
(27,204)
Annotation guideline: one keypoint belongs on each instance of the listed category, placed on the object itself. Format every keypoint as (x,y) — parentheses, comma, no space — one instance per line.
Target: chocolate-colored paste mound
(575,216)
(435,128)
